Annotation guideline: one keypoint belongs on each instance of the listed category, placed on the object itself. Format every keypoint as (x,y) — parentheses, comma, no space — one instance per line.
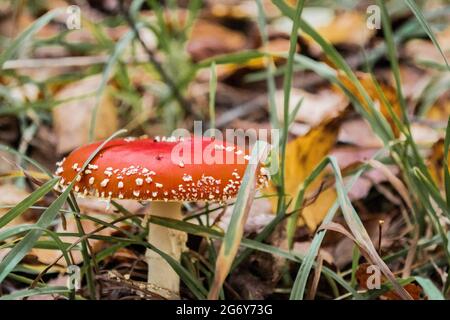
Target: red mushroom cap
(167,169)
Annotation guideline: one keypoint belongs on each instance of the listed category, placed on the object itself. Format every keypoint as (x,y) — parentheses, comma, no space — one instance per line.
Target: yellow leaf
(439,111)
(302,156)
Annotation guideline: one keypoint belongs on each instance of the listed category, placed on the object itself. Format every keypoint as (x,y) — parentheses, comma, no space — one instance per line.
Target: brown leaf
(362,276)
(302,156)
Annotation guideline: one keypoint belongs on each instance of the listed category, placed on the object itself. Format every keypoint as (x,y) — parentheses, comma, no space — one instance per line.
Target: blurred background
(75,71)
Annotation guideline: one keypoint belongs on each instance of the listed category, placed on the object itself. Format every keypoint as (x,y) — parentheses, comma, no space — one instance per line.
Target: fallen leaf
(259,216)
(210,39)
(363,275)
(10,195)
(71,119)
(425,50)
(358,132)
(302,248)
(435,162)
(341,247)
(424,135)
(440,110)
(302,156)
(348,156)
(243,9)
(93,207)
(413,79)
(347,27)
(60,280)
(6,162)
(370,87)
(315,108)
(275,48)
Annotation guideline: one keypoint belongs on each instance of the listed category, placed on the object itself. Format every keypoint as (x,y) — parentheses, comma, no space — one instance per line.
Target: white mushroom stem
(170,241)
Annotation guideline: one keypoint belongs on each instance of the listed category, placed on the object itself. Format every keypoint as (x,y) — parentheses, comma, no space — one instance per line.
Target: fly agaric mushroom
(165,171)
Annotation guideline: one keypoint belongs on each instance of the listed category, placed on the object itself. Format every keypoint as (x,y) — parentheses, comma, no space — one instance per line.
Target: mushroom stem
(170,241)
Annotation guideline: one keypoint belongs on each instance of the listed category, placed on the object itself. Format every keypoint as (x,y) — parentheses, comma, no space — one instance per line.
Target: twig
(176,92)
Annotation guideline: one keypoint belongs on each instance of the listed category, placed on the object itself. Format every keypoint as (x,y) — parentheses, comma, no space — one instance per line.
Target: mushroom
(165,171)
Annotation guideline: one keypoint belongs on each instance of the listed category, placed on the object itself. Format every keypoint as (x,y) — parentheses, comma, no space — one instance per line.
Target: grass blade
(269,74)
(24,246)
(27,202)
(299,287)
(212,97)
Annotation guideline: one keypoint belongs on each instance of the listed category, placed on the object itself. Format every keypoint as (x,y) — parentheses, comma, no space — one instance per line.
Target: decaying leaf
(413,79)
(371,89)
(98,209)
(6,162)
(71,119)
(425,50)
(302,156)
(436,162)
(424,135)
(303,247)
(276,47)
(349,156)
(209,39)
(11,195)
(315,108)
